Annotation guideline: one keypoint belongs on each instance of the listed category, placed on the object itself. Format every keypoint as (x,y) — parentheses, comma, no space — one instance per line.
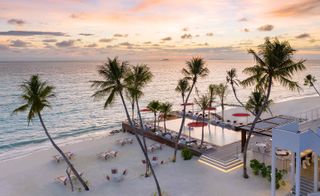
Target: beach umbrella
(195,124)
(145,110)
(240,115)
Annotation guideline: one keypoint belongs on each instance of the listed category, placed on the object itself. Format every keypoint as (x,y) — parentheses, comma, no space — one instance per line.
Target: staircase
(306,186)
(224,158)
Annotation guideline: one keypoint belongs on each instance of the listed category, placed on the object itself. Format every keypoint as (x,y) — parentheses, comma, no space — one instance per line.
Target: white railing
(308,115)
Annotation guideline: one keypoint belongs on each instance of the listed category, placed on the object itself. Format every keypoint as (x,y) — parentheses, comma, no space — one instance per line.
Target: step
(222,166)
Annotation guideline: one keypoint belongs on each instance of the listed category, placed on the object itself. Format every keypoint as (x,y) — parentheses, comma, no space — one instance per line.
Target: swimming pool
(215,135)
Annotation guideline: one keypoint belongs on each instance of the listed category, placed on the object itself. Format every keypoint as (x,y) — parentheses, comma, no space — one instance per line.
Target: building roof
(265,126)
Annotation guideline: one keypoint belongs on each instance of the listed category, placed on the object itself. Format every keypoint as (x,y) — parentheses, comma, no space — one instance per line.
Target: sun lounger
(124,141)
(59,158)
(108,154)
(154,147)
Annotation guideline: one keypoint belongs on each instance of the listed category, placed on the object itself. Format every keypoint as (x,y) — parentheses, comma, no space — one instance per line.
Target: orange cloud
(145,4)
(304,7)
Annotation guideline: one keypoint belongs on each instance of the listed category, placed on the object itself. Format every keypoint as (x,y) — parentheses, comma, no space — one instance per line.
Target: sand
(35,173)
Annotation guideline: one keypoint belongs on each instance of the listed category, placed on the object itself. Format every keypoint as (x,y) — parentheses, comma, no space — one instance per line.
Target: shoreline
(22,151)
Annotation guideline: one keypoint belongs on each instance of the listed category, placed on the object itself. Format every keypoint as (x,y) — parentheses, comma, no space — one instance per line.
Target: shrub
(255,166)
(186,154)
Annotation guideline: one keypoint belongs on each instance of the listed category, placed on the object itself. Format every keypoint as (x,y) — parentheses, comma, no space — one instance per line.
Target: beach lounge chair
(108,154)
(59,158)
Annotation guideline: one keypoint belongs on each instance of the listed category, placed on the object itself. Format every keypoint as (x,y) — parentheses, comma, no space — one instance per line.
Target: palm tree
(35,95)
(154,106)
(233,80)
(113,73)
(195,69)
(221,90)
(274,64)
(309,80)
(255,102)
(136,78)
(183,87)
(212,93)
(203,102)
(165,109)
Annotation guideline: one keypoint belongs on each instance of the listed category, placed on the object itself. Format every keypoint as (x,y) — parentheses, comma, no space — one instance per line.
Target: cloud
(19,43)
(125,44)
(106,40)
(209,34)
(244,19)
(49,40)
(14,21)
(304,7)
(66,44)
(185,29)
(120,35)
(94,45)
(245,30)
(147,42)
(186,36)
(86,34)
(145,4)
(302,36)
(30,33)
(166,39)
(80,15)
(267,27)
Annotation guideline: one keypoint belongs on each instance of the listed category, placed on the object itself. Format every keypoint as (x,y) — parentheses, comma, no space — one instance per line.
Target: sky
(154,29)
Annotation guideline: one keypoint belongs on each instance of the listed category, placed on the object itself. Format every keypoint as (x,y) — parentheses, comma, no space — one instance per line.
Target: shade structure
(211,108)
(240,114)
(145,110)
(197,124)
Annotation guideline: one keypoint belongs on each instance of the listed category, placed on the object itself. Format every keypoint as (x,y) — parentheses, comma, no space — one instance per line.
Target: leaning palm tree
(221,90)
(274,64)
(165,110)
(113,73)
(136,79)
(203,102)
(255,102)
(195,69)
(183,87)
(35,95)
(233,80)
(154,106)
(309,80)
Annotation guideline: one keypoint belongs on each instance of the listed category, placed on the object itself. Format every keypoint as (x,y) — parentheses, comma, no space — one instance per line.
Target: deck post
(292,168)
(298,170)
(315,181)
(273,171)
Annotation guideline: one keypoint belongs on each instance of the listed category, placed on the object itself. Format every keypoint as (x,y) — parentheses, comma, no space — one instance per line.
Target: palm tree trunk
(143,138)
(202,133)
(222,109)
(132,108)
(182,123)
(236,96)
(69,177)
(315,88)
(245,173)
(155,121)
(164,123)
(74,171)
(140,144)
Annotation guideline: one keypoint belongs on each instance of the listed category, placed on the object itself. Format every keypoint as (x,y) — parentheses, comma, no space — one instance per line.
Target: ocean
(75,116)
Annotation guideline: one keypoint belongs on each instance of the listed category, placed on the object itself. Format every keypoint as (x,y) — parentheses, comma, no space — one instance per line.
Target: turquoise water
(75,116)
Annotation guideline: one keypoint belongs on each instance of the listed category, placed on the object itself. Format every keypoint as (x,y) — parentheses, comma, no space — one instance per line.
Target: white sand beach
(34,174)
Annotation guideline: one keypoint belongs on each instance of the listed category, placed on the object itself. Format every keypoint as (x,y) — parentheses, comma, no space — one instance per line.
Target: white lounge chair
(59,158)
(108,154)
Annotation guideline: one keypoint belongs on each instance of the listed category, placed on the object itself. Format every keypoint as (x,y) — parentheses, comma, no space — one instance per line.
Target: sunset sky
(153,29)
